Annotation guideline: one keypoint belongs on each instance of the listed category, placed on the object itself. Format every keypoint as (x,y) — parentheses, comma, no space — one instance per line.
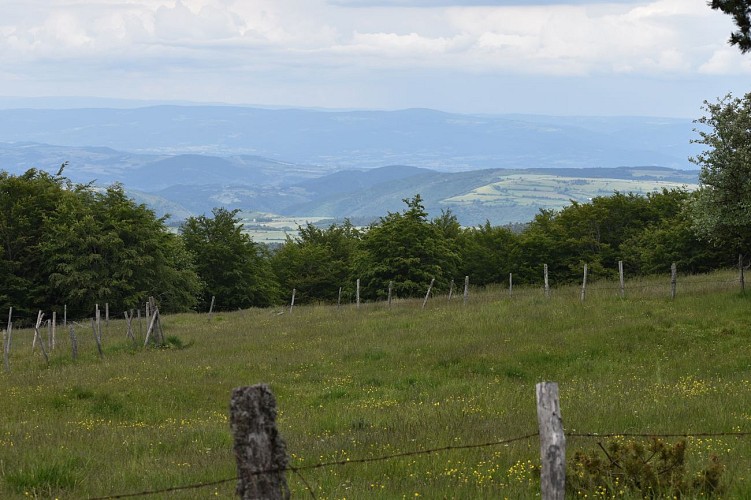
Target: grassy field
(362,383)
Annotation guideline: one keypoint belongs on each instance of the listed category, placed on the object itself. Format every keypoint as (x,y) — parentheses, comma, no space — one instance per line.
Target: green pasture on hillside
(354,384)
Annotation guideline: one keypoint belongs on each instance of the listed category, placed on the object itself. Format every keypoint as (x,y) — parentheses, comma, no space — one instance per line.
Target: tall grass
(364,383)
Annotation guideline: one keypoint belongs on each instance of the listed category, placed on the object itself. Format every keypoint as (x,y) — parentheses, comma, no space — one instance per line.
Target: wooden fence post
(292,302)
(107,314)
(740,271)
(65,315)
(622,279)
(7,340)
(584,284)
(466,289)
(339,300)
(673,280)
(97,337)
(427,295)
(510,284)
(73,342)
(552,442)
(545,277)
(259,448)
(451,290)
(211,307)
(391,291)
(358,293)
(54,328)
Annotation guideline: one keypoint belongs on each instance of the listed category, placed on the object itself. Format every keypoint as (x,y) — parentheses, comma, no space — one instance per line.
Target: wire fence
(394,456)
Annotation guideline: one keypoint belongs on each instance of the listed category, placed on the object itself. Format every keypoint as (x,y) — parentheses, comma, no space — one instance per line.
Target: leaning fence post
(211,307)
(292,302)
(552,441)
(427,295)
(259,448)
(673,280)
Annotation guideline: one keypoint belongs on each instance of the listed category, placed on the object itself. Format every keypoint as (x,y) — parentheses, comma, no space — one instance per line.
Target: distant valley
(299,165)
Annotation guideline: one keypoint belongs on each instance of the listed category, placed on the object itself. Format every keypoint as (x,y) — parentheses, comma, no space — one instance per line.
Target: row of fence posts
(546,286)
(154,332)
(262,459)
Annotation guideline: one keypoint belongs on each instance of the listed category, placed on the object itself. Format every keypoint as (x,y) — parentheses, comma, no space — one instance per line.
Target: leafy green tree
(318,262)
(740,11)
(67,244)
(672,240)
(234,268)
(408,249)
(25,203)
(488,253)
(722,211)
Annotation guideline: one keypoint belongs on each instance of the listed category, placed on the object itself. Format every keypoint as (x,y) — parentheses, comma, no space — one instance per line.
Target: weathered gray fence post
(65,315)
(391,291)
(7,340)
(54,328)
(466,289)
(211,307)
(451,290)
(622,278)
(584,284)
(292,302)
(73,342)
(259,448)
(339,300)
(740,271)
(552,441)
(97,337)
(107,314)
(547,283)
(5,351)
(673,280)
(427,295)
(510,284)
(357,296)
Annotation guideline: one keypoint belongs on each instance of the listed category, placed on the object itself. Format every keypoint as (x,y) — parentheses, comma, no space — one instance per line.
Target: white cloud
(271,45)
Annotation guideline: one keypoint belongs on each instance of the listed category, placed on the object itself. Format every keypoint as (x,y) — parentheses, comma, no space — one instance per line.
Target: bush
(652,469)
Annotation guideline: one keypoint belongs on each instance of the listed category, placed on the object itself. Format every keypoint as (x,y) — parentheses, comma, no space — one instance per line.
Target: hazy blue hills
(185,160)
(334,140)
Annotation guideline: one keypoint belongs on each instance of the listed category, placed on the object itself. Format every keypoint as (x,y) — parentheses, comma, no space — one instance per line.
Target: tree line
(77,245)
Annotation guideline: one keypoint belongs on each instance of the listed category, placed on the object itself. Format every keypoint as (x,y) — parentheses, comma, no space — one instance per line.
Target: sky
(555,57)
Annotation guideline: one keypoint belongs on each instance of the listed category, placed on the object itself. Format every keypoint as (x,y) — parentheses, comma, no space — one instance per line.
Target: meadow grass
(364,383)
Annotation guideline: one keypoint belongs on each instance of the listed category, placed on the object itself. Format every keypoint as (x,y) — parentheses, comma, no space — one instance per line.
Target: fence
(640,287)
(262,460)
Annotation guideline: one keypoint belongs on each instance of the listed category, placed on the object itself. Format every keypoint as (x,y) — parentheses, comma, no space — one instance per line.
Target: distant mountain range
(188,159)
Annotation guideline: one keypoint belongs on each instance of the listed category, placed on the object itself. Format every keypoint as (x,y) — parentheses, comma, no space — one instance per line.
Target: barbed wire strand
(320,465)
(296,470)
(657,435)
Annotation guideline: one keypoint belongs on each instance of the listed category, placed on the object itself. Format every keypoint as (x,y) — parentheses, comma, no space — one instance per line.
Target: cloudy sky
(566,57)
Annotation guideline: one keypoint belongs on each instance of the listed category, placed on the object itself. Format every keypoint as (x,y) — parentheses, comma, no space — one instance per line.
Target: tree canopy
(722,211)
(740,11)
(71,244)
(233,268)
